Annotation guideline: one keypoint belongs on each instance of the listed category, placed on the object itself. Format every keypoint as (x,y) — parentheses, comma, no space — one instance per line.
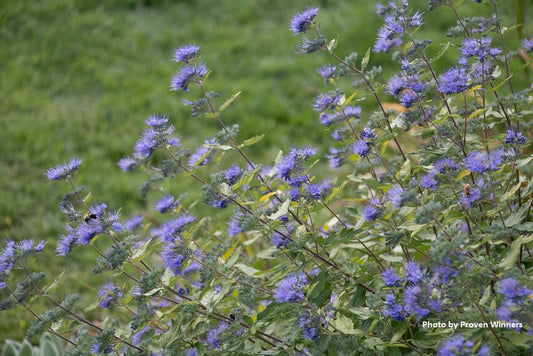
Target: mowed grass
(78,78)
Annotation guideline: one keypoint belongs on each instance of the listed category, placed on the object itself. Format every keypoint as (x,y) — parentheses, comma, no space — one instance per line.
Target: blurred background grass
(77,78)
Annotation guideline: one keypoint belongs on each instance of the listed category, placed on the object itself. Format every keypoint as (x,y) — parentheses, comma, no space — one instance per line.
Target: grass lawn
(77,78)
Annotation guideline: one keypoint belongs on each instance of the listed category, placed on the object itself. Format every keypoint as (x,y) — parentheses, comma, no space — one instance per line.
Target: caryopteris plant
(412,235)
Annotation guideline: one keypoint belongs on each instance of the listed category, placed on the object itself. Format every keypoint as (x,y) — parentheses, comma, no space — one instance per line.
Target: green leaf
(283,209)
(345,325)
(138,253)
(27,349)
(54,284)
(405,170)
(511,192)
(274,311)
(228,102)
(362,313)
(252,140)
(517,216)
(218,147)
(366,58)
(320,291)
(249,271)
(511,258)
(11,348)
(441,52)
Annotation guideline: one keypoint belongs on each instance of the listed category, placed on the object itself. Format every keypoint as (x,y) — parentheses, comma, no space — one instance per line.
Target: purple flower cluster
(396,23)
(514,137)
(479,47)
(454,80)
(215,336)
(109,295)
(303,21)
(327,72)
(291,169)
(17,251)
(480,161)
(157,135)
(186,53)
(310,327)
(290,289)
(167,203)
(406,87)
(64,170)
(421,293)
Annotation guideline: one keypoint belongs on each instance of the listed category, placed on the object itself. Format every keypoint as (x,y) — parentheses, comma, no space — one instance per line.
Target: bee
(466,189)
(89,216)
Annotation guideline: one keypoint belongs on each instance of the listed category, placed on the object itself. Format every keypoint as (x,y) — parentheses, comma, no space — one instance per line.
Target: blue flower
(233,174)
(156,121)
(362,148)
(390,278)
(368,134)
(166,203)
(290,289)
(480,161)
(326,101)
(309,327)
(188,74)
(515,137)
(472,47)
(66,242)
(444,165)
(302,21)
(352,111)
(513,290)
(527,44)
(128,164)
(428,181)
(215,335)
(370,211)
(412,306)
(133,223)
(196,158)
(290,167)
(315,190)
(454,80)
(64,170)
(170,230)
(327,119)
(185,53)
(327,72)
(393,309)
(456,346)
(234,225)
(109,295)
(172,258)
(470,197)
(396,196)
(413,273)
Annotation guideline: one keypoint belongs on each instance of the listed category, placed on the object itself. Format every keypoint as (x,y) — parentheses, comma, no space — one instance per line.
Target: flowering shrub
(423,247)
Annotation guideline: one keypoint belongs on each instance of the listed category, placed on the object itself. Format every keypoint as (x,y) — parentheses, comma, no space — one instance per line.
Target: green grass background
(77,78)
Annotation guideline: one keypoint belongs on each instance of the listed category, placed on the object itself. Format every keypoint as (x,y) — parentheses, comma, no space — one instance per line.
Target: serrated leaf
(441,52)
(511,258)
(252,140)
(362,313)
(511,192)
(517,216)
(218,147)
(228,102)
(267,254)
(139,252)
(366,58)
(247,270)
(405,170)
(345,325)
(224,188)
(283,209)
(244,180)
(54,284)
